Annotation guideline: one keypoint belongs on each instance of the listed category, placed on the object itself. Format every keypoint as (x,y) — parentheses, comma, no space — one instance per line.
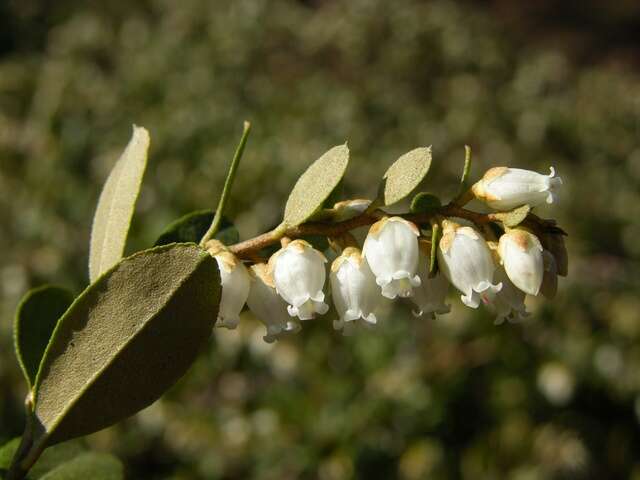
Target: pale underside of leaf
(315,185)
(405,174)
(125,340)
(514,217)
(116,205)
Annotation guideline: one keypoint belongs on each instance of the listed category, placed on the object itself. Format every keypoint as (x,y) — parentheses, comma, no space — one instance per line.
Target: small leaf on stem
(514,217)
(116,205)
(315,185)
(191,227)
(433,260)
(406,173)
(425,202)
(36,318)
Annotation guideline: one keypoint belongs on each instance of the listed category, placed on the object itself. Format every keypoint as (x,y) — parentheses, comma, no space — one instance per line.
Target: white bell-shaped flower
(465,259)
(299,273)
(429,297)
(521,255)
(235,281)
(268,306)
(391,250)
(353,286)
(508,303)
(505,188)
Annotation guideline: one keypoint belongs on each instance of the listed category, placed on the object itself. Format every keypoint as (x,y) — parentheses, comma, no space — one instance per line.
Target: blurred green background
(528,84)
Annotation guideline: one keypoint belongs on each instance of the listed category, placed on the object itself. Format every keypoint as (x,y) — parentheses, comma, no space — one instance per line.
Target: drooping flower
(354,290)
(505,188)
(268,306)
(429,297)
(508,303)
(391,250)
(465,259)
(521,255)
(299,274)
(235,282)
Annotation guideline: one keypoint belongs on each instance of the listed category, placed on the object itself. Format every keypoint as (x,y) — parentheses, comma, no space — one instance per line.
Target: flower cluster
(488,262)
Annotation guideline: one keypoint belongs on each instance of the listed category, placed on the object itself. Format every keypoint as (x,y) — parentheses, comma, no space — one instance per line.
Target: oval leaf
(404,176)
(514,217)
(36,318)
(125,340)
(425,202)
(315,185)
(7,451)
(90,465)
(191,227)
(50,459)
(116,205)
(554,243)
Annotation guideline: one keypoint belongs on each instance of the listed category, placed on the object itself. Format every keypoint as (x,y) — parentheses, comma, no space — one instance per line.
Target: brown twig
(248,248)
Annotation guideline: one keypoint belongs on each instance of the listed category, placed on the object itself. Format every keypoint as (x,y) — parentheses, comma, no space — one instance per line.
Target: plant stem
(249,247)
(18,470)
(217,219)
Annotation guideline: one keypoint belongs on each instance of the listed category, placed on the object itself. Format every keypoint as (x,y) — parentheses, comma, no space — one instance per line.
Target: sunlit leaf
(514,217)
(116,205)
(125,340)
(406,173)
(36,317)
(315,185)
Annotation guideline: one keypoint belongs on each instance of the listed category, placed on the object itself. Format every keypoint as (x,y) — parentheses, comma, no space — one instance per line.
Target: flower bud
(508,303)
(267,305)
(391,250)
(465,259)
(431,295)
(235,282)
(299,274)
(506,188)
(354,289)
(347,209)
(521,255)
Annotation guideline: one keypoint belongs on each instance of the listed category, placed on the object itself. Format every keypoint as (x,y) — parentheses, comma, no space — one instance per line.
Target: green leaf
(124,341)
(404,176)
(514,217)
(116,205)
(554,243)
(36,317)
(318,242)
(191,227)
(433,258)
(90,465)
(50,459)
(425,202)
(6,453)
(315,185)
